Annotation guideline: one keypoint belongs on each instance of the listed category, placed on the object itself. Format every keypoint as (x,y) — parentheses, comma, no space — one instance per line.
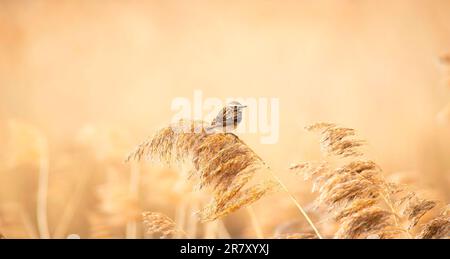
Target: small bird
(228,118)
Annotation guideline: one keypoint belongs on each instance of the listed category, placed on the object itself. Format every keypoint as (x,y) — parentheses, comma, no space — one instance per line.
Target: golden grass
(354,199)
(362,202)
(221,162)
(437,228)
(161,225)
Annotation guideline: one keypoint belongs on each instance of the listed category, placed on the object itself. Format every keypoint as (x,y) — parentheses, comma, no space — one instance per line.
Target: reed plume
(437,228)
(116,207)
(356,194)
(415,208)
(159,224)
(365,222)
(222,162)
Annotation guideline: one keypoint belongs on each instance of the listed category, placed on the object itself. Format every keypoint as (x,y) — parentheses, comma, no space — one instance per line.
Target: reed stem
(41,207)
(297,204)
(255,223)
(131,228)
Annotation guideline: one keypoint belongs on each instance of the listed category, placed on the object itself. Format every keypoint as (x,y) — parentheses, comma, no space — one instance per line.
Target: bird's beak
(243,106)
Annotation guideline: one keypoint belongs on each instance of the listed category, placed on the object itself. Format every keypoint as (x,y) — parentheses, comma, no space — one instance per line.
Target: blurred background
(83,82)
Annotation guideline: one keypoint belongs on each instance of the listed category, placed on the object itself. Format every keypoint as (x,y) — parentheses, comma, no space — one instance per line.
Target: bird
(228,118)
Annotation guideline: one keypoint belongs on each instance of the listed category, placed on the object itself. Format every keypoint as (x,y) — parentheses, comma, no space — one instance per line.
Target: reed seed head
(362,224)
(222,162)
(438,227)
(156,223)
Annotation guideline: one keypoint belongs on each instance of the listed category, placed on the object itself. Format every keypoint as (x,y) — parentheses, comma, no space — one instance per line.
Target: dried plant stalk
(41,206)
(221,161)
(354,192)
(365,222)
(159,224)
(131,227)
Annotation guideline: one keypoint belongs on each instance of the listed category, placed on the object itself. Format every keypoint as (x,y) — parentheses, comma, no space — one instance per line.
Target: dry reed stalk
(42,218)
(255,223)
(30,145)
(354,191)
(162,225)
(131,227)
(297,204)
(221,161)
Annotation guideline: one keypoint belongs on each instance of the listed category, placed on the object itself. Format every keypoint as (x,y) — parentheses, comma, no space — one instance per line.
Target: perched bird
(228,118)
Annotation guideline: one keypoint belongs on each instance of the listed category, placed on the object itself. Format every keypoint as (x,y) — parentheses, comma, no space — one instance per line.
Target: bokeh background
(83,82)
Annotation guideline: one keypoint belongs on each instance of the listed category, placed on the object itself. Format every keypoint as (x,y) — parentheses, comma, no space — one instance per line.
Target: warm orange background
(370,65)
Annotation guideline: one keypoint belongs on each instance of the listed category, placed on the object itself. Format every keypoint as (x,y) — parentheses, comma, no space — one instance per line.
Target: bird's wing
(219,119)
